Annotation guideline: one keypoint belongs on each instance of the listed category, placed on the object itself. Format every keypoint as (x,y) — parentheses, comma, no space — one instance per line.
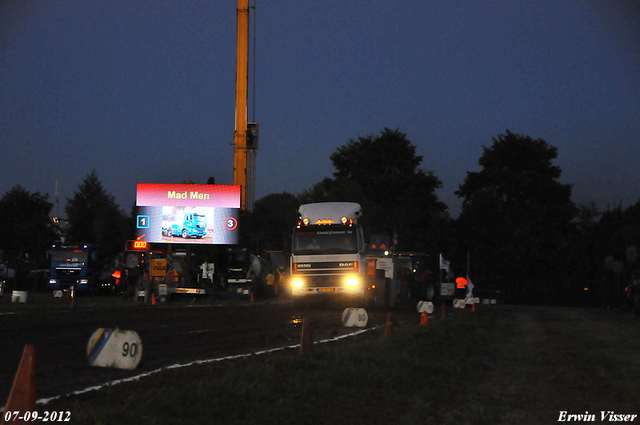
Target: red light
(461,282)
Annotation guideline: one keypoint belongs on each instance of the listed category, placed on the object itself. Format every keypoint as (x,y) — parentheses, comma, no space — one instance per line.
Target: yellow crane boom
(242,82)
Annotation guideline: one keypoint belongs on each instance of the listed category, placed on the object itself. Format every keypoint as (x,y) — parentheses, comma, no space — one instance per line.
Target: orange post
(22,397)
(388,329)
(306,342)
(425,319)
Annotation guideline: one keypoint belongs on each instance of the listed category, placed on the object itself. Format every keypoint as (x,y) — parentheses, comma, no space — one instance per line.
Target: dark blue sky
(144,91)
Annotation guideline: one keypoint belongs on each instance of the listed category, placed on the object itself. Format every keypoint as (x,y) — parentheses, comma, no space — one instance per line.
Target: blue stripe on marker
(346,318)
(99,345)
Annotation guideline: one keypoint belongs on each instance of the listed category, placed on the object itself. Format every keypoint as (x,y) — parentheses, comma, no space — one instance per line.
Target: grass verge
(508,365)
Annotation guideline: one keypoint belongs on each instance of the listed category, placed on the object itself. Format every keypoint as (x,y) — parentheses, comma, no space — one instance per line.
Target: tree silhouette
(27,230)
(516,216)
(270,224)
(95,217)
(382,173)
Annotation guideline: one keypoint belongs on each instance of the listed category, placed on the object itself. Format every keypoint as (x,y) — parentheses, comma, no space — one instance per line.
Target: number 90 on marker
(114,348)
(129,349)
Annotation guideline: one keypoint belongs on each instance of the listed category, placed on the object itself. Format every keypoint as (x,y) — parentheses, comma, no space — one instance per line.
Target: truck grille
(333,267)
(68,272)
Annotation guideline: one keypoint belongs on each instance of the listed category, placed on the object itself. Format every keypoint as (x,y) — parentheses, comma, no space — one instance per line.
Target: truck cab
(193,225)
(327,255)
(73,266)
(239,279)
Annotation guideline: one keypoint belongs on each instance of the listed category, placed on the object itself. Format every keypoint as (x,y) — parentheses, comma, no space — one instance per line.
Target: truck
(415,282)
(73,266)
(327,253)
(239,276)
(193,225)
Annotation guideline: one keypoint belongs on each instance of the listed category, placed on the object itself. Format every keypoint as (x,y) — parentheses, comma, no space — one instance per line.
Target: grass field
(502,365)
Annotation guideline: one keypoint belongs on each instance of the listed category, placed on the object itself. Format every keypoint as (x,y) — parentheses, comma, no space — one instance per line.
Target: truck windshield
(69,256)
(200,221)
(325,240)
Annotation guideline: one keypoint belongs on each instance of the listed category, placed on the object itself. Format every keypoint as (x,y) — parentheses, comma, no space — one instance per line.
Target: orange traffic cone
(253,299)
(473,308)
(153,299)
(388,329)
(444,310)
(306,342)
(22,397)
(425,319)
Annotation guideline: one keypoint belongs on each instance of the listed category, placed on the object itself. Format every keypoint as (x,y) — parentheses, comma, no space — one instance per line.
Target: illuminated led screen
(188,213)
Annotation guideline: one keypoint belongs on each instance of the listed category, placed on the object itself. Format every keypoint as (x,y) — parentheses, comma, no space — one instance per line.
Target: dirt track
(171,333)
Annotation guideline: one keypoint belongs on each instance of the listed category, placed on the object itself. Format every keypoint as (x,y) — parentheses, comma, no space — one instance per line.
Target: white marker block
(114,348)
(19,297)
(355,317)
(459,303)
(425,307)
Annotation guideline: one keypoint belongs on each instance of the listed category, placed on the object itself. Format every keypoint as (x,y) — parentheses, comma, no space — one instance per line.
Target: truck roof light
(344,220)
(305,221)
(324,221)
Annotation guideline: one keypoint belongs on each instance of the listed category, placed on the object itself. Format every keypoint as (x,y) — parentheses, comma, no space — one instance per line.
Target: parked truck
(327,256)
(415,281)
(74,266)
(239,276)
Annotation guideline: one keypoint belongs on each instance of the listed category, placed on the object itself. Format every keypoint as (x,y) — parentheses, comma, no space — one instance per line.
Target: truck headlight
(352,281)
(297,283)
(84,281)
(53,281)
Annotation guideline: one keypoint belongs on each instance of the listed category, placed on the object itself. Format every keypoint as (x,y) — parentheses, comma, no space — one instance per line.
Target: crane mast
(241,173)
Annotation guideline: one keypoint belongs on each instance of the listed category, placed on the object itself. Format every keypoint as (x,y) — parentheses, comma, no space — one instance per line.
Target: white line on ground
(196,362)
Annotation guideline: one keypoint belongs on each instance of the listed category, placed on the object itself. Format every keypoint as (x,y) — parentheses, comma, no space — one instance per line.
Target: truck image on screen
(193,225)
